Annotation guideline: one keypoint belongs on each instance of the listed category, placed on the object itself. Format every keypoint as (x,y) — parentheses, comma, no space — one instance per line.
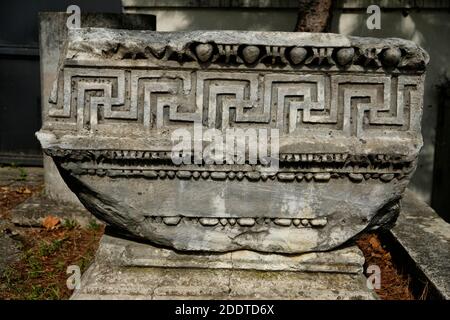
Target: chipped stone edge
(126,253)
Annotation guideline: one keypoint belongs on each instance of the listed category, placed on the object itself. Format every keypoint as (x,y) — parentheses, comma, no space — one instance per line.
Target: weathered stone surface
(34,210)
(10,248)
(21,176)
(10,252)
(349,134)
(99,283)
(126,253)
(426,239)
(128,270)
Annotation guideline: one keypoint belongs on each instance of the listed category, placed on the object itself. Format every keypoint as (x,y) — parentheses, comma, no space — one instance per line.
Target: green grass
(22,174)
(9,275)
(36,292)
(83,263)
(41,272)
(61,265)
(93,225)
(47,249)
(70,224)
(48,292)
(34,265)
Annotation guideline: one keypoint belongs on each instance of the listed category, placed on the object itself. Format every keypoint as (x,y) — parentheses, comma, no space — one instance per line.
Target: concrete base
(425,238)
(33,211)
(55,187)
(126,269)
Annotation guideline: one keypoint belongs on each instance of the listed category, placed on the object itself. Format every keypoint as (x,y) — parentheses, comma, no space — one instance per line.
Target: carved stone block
(347,111)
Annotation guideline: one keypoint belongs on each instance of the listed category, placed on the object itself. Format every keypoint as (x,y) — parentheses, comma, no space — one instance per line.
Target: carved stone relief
(348,111)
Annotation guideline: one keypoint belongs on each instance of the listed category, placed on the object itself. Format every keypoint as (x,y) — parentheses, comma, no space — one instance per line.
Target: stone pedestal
(125,269)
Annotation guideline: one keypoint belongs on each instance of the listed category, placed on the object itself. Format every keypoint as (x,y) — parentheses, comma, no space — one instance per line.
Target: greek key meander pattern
(91,100)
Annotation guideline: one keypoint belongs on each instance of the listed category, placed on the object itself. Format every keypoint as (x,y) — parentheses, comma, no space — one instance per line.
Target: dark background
(20,90)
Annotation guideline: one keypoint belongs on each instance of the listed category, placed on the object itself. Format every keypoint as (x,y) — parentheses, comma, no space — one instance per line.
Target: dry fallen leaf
(50,222)
(24,190)
(374,243)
